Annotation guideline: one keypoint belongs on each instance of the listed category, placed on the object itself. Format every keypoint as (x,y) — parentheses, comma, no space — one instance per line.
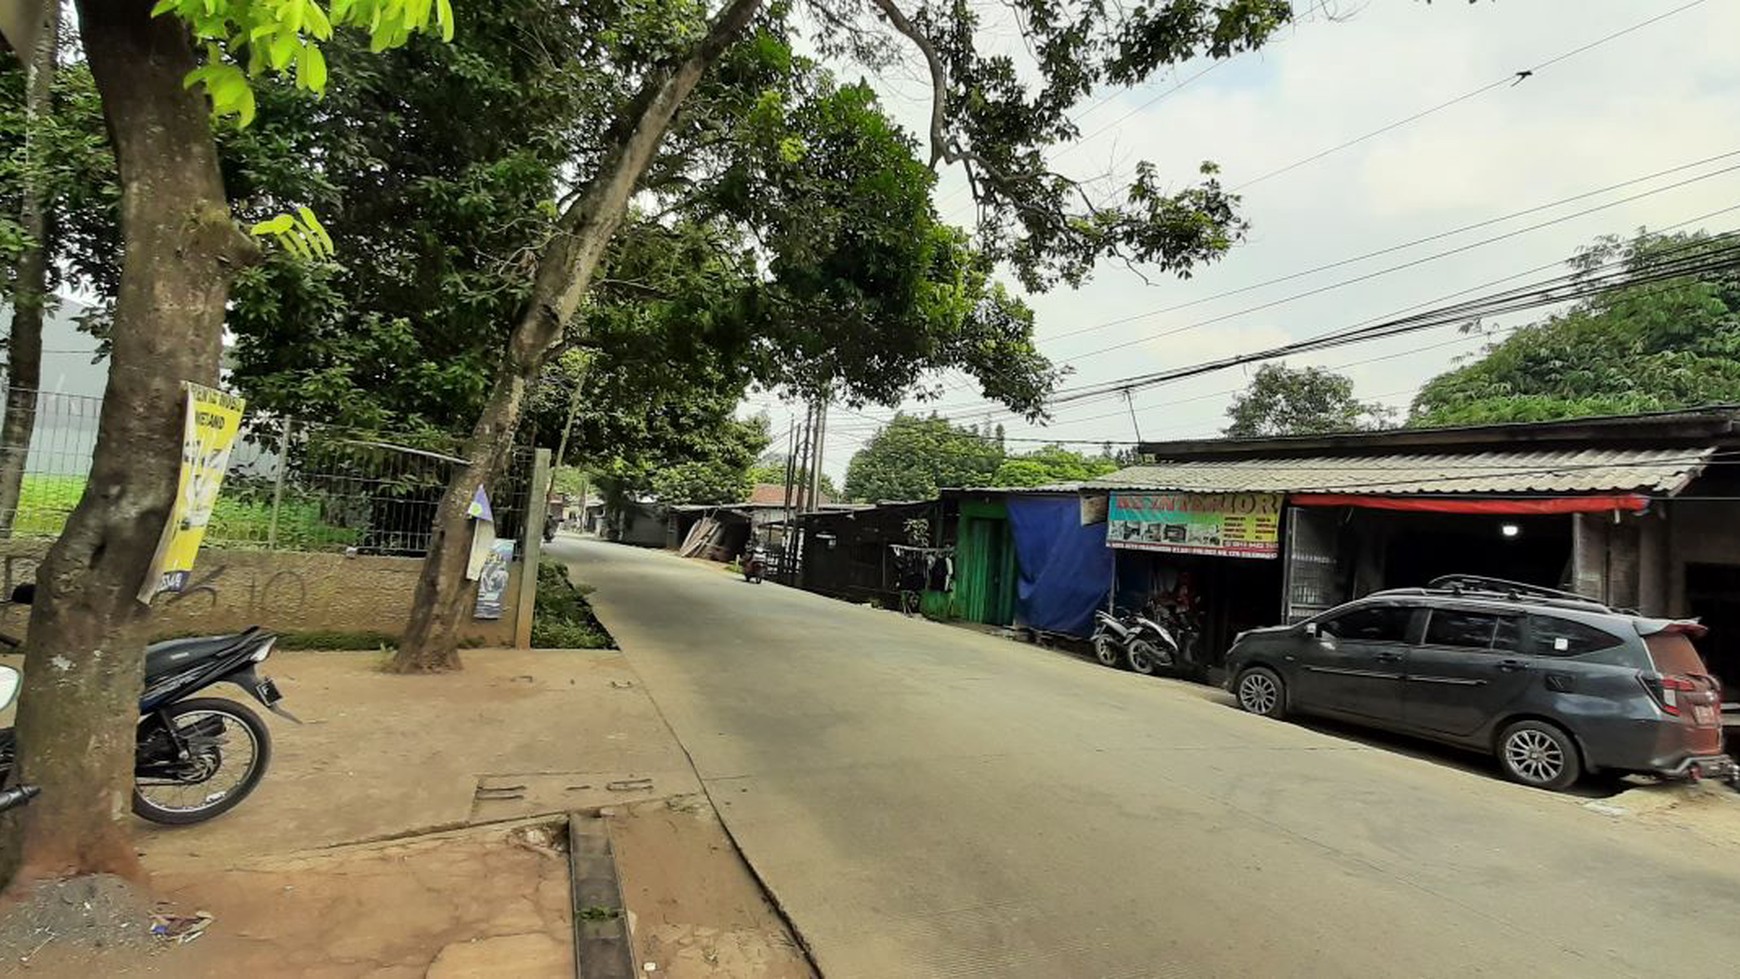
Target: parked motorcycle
(18,795)
(1152,647)
(1112,633)
(754,564)
(1133,640)
(197,757)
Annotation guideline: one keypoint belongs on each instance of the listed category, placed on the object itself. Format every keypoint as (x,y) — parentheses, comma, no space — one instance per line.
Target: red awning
(1559,504)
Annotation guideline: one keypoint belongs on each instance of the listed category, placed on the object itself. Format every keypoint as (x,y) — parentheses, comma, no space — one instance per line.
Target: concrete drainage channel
(603,948)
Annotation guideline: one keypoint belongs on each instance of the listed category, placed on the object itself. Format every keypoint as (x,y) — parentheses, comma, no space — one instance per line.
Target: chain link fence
(291,485)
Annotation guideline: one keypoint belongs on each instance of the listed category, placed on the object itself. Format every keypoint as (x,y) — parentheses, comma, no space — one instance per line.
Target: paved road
(926,801)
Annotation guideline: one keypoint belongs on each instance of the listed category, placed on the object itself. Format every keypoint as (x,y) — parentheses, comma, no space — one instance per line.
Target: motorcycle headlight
(264,651)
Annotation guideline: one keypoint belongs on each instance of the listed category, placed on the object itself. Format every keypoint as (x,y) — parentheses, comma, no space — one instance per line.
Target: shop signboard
(1218,524)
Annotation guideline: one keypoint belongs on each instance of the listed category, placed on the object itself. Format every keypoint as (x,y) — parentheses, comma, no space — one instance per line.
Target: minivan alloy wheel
(1258,693)
(1534,755)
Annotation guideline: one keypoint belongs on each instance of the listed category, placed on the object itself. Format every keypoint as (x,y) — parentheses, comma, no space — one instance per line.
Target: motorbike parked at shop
(197,757)
(1133,640)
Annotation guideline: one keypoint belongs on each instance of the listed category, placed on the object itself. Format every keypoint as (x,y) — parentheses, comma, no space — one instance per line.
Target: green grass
(45,502)
(562,618)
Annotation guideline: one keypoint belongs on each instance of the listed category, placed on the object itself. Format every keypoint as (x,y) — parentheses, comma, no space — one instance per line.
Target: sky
(1658,97)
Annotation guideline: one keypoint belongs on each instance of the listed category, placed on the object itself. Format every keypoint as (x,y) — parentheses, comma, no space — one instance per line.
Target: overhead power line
(1508,80)
(1439,236)
(1560,289)
(1111,391)
(1413,263)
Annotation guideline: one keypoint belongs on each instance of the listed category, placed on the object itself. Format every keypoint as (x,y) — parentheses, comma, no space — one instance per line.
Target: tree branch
(941,147)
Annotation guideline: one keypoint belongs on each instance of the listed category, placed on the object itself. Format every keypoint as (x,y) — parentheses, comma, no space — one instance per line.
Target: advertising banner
(1220,524)
(214,419)
(492,583)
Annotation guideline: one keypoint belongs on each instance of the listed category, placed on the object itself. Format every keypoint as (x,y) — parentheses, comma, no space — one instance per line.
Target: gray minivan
(1554,684)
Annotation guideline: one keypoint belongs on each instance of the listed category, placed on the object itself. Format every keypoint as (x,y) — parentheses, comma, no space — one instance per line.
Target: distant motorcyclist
(754,562)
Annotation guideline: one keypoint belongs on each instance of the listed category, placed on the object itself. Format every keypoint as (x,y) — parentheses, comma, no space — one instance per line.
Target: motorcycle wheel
(1107,651)
(1143,657)
(221,734)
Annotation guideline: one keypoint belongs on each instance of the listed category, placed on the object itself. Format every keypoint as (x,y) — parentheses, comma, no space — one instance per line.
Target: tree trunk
(30,280)
(83,666)
(430,642)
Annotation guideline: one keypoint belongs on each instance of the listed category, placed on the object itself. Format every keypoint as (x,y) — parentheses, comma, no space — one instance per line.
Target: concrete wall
(1699,532)
(278,591)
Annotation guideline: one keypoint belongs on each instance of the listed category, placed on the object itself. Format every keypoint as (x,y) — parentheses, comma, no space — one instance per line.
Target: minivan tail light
(1668,691)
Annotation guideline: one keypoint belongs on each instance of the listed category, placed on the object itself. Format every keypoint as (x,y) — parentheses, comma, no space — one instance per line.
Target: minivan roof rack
(1457,583)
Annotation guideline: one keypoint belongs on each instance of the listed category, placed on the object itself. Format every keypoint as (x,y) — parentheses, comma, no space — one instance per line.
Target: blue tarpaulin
(1066,569)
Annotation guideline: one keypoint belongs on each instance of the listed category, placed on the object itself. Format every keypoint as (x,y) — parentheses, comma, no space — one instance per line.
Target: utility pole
(796,491)
(573,409)
(1130,401)
(816,463)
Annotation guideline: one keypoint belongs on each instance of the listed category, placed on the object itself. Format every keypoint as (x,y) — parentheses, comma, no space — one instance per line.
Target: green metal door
(985,570)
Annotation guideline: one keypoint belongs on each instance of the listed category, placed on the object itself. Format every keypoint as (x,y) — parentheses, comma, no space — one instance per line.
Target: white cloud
(1654,98)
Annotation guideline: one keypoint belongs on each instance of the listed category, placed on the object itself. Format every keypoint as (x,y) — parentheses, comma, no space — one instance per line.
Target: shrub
(563,619)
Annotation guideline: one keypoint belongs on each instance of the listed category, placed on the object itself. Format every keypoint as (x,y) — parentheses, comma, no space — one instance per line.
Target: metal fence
(291,484)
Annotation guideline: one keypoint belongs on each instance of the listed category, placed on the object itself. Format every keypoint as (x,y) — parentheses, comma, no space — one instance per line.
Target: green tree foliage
(1300,401)
(770,470)
(1649,347)
(433,189)
(913,456)
(76,169)
(723,476)
(1051,464)
(439,206)
(996,116)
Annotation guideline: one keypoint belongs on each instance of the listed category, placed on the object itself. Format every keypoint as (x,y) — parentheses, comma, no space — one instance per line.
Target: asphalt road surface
(923,800)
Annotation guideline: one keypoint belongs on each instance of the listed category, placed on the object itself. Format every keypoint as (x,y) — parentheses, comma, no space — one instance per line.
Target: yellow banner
(213,421)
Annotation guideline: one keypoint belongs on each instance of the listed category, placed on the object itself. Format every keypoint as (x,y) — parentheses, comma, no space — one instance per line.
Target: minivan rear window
(1550,635)
(1674,655)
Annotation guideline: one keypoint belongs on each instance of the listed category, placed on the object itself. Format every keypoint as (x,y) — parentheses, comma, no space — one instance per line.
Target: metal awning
(1662,471)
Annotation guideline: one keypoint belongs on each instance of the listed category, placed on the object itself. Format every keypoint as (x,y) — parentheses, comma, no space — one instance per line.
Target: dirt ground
(453,906)
(368,851)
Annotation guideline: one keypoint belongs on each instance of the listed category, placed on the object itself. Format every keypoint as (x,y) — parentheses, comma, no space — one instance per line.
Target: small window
(1508,639)
(1374,623)
(1553,636)
(1454,627)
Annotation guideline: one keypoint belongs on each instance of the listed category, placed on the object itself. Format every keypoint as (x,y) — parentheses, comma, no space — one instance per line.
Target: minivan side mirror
(1311,629)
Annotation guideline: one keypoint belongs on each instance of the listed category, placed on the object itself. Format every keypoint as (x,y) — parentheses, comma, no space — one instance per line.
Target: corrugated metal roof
(1580,471)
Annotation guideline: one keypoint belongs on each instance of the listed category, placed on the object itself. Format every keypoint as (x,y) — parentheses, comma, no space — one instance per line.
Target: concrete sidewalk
(367,850)
(383,757)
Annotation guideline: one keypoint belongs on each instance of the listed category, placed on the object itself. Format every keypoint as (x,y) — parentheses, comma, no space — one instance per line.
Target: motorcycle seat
(166,657)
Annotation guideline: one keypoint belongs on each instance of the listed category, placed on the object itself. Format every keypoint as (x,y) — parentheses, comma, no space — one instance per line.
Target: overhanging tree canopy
(1651,347)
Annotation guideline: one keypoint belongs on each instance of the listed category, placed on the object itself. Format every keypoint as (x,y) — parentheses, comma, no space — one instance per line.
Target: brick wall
(277,590)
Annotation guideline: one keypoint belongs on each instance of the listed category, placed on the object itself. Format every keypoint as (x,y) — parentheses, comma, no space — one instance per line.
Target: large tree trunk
(564,275)
(30,280)
(83,667)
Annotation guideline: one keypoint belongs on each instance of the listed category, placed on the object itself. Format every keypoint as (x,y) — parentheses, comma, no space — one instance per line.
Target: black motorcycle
(197,757)
(754,564)
(18,795)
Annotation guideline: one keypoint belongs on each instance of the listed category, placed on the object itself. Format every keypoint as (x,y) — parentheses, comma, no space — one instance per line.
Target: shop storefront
(1640,512)
(1212,557)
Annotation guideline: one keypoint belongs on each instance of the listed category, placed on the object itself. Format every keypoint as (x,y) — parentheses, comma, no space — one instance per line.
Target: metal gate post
(537,510)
